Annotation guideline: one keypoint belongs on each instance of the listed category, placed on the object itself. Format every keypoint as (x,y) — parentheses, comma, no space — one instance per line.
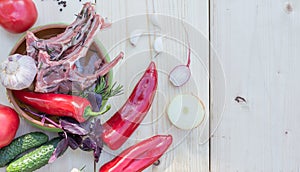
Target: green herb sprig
(108,91)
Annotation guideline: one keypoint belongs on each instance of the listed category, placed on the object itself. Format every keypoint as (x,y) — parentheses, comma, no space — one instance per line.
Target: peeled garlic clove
(18,72)
(154,20)
(75,170)
(158,45)
(135,36)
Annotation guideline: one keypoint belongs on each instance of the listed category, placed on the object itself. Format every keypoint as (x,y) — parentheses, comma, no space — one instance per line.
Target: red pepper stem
(89,113)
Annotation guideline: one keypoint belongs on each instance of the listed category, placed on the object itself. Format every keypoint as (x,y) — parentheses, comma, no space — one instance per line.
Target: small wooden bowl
(44,32)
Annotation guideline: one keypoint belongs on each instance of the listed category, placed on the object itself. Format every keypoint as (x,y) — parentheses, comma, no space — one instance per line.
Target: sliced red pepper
(139,156)
(124,122)
(57,104)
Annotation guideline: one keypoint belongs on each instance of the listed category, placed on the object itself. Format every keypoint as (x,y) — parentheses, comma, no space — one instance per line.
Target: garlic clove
(18,72)
(154,20)
(75,170)
(158,45)
(135,36)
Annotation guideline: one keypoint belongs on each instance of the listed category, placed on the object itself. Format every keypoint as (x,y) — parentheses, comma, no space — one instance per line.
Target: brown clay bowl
(48,31)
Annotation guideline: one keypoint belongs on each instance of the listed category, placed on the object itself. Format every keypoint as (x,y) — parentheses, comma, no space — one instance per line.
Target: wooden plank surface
(190,150)
(257,43)
(253,56)
(186,153)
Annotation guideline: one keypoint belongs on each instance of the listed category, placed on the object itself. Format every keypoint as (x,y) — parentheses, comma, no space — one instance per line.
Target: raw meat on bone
(56,57)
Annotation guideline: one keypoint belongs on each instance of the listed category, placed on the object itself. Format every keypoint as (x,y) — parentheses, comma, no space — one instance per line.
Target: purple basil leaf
(76,138)
(95,100)
(72,143)
(89,125)
(86,124)
(97,128)
(97,152)
(96,136)
(73,128)
(97,141)
(68,119)
(92,141)
(61,147)
(99,101)
(88,144)
(61,134)
(96,133)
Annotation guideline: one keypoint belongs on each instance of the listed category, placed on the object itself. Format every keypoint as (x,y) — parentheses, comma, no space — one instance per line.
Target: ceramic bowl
(44,32)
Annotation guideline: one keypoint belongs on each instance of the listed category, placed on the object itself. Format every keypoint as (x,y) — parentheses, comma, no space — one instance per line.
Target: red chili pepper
(57,104)
(139,156)
(124,122)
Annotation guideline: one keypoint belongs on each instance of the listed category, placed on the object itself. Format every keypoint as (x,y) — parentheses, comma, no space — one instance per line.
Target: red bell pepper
(139,156)
(124,122)
(57,104)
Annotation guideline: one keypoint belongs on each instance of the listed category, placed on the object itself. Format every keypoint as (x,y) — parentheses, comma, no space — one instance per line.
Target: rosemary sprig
(108,91)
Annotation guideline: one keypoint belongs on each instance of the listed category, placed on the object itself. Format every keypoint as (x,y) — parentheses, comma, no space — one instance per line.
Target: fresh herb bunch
(85,136)
(102,93)
(107,91)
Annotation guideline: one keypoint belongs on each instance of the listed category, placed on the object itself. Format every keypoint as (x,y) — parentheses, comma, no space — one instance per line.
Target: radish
(182,73)
(186,111)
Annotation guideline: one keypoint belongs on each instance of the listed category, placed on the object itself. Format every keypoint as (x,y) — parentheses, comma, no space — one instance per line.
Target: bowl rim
(45,126)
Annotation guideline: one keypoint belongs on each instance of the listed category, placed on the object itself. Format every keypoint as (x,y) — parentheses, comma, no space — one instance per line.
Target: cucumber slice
(186,111)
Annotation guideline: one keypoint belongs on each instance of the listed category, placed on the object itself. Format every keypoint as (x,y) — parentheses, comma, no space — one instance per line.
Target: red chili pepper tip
(139,156)
(126,120)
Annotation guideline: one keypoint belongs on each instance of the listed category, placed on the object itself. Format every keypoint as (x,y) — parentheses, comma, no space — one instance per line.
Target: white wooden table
(245,49)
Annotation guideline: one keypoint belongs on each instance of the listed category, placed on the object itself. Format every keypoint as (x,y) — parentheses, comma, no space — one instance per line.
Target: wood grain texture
(186,154)
(257,43)
(190,151)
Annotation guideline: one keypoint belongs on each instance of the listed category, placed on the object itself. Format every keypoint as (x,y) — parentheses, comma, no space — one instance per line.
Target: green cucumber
(35,159)
(20,145)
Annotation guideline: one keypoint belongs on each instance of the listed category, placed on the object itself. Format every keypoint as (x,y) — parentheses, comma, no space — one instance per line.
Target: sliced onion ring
(186,111)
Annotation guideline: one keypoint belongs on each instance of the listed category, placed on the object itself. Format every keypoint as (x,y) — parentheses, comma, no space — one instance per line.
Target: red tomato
(17,16)
(9,121)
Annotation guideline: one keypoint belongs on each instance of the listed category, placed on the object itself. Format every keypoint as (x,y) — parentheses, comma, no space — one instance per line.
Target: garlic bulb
(18,72)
